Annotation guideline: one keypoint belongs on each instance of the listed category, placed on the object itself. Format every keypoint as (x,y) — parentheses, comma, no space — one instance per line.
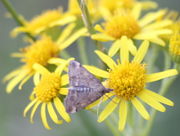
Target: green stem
(65,54)
(153,58)
(167,63)
(87,22)
(16,17)
(82,51)
(85,15)
(84,118)
(112,127)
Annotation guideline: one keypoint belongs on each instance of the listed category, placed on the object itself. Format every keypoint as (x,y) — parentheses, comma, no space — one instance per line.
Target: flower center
(127,80)
(48,87)
(120,25)
(40,52)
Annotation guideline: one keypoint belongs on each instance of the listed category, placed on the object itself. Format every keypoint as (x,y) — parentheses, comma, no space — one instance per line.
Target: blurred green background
(12,122)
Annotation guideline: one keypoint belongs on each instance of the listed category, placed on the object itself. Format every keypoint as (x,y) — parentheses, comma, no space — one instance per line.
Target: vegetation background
(12,122)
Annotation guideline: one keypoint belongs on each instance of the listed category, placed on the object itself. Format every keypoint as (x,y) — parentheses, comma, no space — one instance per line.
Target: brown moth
(84,88)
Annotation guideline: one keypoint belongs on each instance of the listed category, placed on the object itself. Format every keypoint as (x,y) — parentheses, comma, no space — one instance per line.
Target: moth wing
(79,76)
(77,100)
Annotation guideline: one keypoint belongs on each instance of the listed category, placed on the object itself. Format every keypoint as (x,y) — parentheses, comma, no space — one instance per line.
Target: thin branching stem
(16,17)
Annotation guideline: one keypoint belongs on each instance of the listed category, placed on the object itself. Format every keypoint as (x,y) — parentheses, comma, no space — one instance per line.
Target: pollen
(120,25)
(48,87)
(127,80)
(40,52)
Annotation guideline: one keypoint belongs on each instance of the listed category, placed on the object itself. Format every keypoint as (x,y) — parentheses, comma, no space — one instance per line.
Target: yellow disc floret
(48,87)
(40,52)
(120,25)
(127,80)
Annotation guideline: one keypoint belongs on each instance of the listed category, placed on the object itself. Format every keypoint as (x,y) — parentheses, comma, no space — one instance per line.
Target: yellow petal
(17,55)
(140,108)
(132,48)
(56,61)
(66,32)
(123,109)
(161,75)
(108,109)
(29,106)
(158,25)
(106,59)
(102,99)
(63,91)
(33,111)
(63,21)
(114,48)
(141,52)
(61,67)
(161,32)
(52,114)
(99,28)
(64,80)
(124,52)
(43,116)
(148,4)
(136,11)
(157,40)
(159,98)
(39,68)
(61,109)
(102,37)
(151,17)
(25,80)
(36,78)
(72,38)
(11,85)
(12,74)
(152,102)
(96,71)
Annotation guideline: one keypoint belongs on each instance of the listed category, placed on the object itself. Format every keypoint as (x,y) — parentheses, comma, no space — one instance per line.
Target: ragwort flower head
(38,52)
(47,91)
(129,23)
(41,51)
(128,81)
(44,21)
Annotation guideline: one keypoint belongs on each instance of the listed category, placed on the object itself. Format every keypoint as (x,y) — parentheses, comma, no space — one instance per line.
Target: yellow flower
(174,44)
(47,19)
(49,87)
(41,51)
(108,7)
(38,52)
(128,23)
(128,81)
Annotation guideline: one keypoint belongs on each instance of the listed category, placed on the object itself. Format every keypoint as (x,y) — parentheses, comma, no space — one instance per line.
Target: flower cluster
(123,35)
